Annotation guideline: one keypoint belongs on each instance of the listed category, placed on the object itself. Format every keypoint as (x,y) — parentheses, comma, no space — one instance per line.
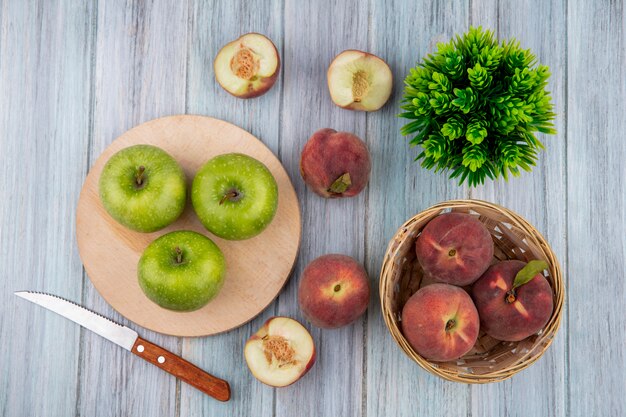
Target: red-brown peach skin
(511,315)
(334,291)
(335,164)
(454,248)
(440,322)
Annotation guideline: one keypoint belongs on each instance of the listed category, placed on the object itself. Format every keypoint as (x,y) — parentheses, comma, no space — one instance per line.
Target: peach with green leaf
(335,164)
(514,299)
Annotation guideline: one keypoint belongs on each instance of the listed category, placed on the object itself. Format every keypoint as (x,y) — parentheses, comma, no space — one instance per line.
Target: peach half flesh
(248,66)
(358,80)
(280,353)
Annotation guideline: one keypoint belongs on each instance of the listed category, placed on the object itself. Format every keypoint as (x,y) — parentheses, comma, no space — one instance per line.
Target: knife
(130,340)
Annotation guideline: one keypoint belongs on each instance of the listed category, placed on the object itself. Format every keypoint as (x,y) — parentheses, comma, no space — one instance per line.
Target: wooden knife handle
(180,368)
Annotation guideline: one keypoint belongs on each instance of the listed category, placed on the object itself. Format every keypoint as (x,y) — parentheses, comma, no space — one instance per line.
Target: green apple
(181,270)
(235,196)
(143,188)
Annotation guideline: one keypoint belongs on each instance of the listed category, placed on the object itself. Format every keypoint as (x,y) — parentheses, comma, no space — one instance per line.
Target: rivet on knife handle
(180,368)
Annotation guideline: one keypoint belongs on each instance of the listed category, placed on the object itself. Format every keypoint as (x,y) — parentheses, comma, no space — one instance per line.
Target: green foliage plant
(475,107)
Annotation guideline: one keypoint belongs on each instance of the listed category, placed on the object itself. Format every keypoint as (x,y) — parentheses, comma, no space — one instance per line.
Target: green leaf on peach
(341,184)
(528,272)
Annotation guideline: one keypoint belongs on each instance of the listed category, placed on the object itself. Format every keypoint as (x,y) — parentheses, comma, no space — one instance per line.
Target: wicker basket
(490,360)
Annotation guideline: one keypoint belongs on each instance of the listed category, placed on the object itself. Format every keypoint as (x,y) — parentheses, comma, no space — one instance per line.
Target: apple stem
(179,255)
(139,175)
(229,196)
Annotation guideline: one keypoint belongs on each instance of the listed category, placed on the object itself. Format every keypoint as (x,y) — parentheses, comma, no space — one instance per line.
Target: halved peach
(247,67)
(280,353)
(358,80)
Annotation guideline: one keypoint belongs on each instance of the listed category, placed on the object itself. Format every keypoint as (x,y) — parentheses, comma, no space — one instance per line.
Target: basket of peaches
(471,291)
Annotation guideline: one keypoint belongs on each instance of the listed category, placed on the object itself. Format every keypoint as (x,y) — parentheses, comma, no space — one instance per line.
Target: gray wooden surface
(76,74)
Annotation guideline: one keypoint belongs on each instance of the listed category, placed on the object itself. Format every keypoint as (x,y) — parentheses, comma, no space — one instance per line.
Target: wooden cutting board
(257,268)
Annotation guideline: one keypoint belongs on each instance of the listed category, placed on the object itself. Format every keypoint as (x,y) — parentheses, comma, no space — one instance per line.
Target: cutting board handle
(180,368)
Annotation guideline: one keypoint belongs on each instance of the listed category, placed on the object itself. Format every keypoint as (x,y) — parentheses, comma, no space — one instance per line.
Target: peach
(454,248)
(335,164)
(334,291)
(509,312)
(248,66)
(440,322)
(358,80)
(280,353)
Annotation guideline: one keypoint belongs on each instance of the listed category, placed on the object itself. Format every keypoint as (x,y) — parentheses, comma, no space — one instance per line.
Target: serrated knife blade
(116,333)
(130,340)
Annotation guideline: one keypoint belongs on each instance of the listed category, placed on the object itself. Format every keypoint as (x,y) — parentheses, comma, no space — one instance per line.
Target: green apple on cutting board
(143,188)
(235,196)
(181,270)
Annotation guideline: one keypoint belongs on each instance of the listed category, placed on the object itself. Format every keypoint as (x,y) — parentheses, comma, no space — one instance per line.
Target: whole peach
(440,322)
(454,248)
(335,164)
(511,314)
(334,291)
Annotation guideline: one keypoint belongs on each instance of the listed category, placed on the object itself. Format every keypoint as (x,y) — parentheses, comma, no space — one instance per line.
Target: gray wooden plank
(315,32)
(140,70)
(212,24)
(596,207)
(44,124)
(538,196)
(404,32)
